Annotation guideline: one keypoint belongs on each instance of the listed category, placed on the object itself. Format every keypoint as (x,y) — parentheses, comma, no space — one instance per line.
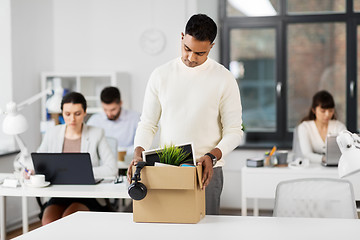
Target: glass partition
(316,61)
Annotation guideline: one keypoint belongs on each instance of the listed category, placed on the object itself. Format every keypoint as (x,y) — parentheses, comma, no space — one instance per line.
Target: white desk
(97,225)
(102,190)
(261,182)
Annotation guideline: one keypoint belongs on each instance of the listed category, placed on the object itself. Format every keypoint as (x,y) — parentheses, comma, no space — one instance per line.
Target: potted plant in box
(173,155)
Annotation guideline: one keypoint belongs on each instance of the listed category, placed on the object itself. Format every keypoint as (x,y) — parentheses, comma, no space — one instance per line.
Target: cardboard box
(174,195)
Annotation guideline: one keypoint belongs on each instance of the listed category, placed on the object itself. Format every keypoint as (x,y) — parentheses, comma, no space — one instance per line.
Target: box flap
(199,175)
(169,177)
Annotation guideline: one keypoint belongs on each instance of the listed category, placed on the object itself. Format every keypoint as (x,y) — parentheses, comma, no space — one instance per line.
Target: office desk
(101,190)
(97,225)
(261,182)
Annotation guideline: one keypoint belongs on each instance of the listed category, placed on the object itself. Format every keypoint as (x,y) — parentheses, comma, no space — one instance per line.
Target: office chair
(296,149)
(315,198)
(112,205)
(113,146)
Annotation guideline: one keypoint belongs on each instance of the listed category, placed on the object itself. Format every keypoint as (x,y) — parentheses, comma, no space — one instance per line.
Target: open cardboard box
(174,195)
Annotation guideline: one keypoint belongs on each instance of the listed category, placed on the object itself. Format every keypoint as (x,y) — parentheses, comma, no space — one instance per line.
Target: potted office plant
(173,155)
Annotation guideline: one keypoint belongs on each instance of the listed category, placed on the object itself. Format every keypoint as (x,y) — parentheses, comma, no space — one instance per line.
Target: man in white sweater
(194,99)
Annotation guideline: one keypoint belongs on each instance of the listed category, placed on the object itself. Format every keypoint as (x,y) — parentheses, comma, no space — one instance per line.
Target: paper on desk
(10,182)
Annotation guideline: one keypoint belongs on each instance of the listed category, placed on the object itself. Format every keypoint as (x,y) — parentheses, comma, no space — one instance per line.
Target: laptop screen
(64,168)
(333,152)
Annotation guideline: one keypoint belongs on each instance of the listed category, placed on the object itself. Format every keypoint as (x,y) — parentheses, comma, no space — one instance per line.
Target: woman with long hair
(317,125)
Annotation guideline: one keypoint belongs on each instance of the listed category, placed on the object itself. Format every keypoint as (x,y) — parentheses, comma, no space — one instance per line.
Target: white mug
(37,179)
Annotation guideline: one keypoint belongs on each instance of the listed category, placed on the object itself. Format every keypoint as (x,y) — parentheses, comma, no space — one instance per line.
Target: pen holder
(267,160)
(270,161)
(274,160)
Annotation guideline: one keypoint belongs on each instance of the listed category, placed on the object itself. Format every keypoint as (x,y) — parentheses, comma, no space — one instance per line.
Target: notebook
(65,168)
(333,153)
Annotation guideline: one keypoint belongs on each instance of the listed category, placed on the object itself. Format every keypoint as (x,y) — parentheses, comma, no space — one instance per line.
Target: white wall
(32,52)
(104,35)
(5,67)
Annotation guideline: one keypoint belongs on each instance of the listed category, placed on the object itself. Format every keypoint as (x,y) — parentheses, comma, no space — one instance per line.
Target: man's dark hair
(74,97)
(110,95)
(201,27)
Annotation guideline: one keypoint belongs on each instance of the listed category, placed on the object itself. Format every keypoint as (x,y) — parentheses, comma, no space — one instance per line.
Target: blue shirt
(122,129)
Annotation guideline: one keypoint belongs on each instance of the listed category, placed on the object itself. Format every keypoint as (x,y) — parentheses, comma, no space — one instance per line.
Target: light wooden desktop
(98,225)
(261,182)
(106,189)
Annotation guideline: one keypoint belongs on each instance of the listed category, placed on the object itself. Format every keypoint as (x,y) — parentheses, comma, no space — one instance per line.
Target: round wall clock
(152,41)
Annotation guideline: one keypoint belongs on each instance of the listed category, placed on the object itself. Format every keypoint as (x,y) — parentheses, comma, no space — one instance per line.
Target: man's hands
(137,158)
(207,164)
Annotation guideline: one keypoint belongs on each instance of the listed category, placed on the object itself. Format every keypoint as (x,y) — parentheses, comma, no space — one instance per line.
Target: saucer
(29,184)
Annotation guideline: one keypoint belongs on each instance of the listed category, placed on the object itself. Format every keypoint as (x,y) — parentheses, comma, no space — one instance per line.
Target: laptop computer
(65,168)
(333,153)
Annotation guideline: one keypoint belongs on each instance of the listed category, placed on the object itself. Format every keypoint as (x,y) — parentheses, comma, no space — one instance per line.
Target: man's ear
(182,36)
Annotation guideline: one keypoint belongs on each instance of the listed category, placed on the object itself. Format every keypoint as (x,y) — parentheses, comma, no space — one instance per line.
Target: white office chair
(315,198)
(296,145)
(113,145)
(113,204)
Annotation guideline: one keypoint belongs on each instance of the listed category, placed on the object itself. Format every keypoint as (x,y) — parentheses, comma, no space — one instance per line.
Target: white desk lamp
(349,144)
(15,123)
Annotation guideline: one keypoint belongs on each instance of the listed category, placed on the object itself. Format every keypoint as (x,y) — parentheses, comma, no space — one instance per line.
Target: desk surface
(310,170)
(106,189)
(97,225)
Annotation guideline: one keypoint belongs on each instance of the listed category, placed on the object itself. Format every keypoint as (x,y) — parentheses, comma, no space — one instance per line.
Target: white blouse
(311,144)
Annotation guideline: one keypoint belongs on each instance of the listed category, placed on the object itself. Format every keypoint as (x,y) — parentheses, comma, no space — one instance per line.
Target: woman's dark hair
(110,94)
(201,27)
(322,99)
(74,97)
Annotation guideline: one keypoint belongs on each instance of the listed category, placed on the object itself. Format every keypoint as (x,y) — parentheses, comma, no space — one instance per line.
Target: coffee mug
(37,179)
(281,157)
(121,155)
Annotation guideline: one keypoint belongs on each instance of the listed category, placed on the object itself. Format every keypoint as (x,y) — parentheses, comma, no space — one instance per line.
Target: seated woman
(314,128)
(75,136)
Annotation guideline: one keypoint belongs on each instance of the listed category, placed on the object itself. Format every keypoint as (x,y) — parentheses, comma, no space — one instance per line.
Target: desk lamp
(349,144)
(15,123)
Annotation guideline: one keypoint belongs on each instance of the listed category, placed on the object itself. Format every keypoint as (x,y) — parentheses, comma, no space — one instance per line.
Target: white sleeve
(150,116)
(305,145)
(231,118)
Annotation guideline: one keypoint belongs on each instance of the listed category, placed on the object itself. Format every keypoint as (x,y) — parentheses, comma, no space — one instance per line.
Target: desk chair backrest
(113,145)
(296,149)
(315,198)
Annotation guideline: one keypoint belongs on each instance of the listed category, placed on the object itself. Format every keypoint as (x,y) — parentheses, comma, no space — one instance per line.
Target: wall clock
(152,41)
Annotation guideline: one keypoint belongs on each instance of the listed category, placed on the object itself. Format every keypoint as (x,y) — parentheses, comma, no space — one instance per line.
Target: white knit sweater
(199,105)
(311,144)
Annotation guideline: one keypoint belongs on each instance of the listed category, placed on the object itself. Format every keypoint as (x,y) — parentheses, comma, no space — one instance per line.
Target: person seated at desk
(118,123)
(75,136)
(314,128)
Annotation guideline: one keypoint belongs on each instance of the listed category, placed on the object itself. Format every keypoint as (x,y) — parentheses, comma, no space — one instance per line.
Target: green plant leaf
(172,155)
